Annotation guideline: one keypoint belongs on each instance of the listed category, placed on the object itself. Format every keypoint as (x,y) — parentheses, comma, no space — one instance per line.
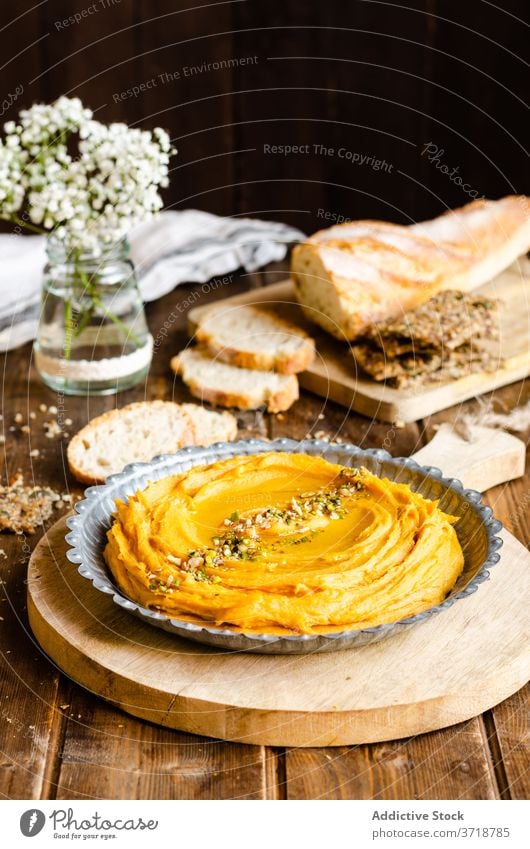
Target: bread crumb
(52,429)
(43,408)
(33,415)
(24,429)
(52,410)
(34,453)
(68,422)
(19,418)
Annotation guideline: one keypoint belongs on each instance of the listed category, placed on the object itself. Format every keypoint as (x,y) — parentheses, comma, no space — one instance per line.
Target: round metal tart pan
(476,528)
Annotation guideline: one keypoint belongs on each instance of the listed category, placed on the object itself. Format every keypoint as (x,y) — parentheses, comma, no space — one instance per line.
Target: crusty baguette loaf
(255,337)
(359,273)
(140,431)
(230,386)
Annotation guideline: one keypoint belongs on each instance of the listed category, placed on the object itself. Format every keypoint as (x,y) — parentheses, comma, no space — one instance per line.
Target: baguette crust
(357,274)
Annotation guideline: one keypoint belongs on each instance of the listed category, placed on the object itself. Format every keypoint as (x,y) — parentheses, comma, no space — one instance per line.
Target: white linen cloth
(176,247)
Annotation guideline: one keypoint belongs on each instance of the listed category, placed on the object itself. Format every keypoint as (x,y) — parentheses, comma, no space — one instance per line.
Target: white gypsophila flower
(93,195)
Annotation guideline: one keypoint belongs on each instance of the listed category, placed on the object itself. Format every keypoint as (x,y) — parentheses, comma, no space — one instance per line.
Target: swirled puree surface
(281,543)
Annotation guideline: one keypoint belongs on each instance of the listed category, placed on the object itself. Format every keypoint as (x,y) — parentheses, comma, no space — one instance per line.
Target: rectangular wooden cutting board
(334,374)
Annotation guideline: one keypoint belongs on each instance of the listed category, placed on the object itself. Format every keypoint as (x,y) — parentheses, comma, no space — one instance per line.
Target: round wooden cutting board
(444,671)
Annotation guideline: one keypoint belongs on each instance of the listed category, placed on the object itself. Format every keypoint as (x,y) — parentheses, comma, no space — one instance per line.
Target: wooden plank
(512,732)
(331,81)
(187,64)
(31,685)
(90,54)
(24,37)
(478,102)
(449,764)
(109,755)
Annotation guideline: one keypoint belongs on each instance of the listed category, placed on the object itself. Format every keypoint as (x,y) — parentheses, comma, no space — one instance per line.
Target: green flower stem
(84,321)
(90,289)
(68,321)
(14,219)
(117,321)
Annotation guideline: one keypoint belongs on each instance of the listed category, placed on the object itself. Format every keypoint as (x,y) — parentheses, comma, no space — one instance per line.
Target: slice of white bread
(359,273)
(140,431)
(230,386)
(255,337)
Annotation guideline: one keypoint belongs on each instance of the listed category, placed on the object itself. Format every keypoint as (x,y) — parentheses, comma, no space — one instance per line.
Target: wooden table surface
(60,742)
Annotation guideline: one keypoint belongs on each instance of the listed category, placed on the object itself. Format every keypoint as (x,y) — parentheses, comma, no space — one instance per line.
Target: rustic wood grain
(182,51)
(330,78)
(512,732)
(448,764)
(109,755)
(91,58)
(477,100)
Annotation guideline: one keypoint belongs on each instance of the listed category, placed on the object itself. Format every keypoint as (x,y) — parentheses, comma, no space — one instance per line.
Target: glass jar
(92,337)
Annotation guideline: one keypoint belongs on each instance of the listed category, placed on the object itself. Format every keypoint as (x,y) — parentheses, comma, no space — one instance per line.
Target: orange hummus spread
(283,543)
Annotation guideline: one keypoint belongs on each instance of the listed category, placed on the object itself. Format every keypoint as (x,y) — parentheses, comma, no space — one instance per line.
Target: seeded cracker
(441,339)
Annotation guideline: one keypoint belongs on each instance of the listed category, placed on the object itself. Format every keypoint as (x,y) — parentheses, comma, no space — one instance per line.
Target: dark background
(379,79)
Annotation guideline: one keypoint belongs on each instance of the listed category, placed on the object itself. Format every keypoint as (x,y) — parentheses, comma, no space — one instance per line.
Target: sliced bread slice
(230,386)
(256,337)
(140,431)
(207,426)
